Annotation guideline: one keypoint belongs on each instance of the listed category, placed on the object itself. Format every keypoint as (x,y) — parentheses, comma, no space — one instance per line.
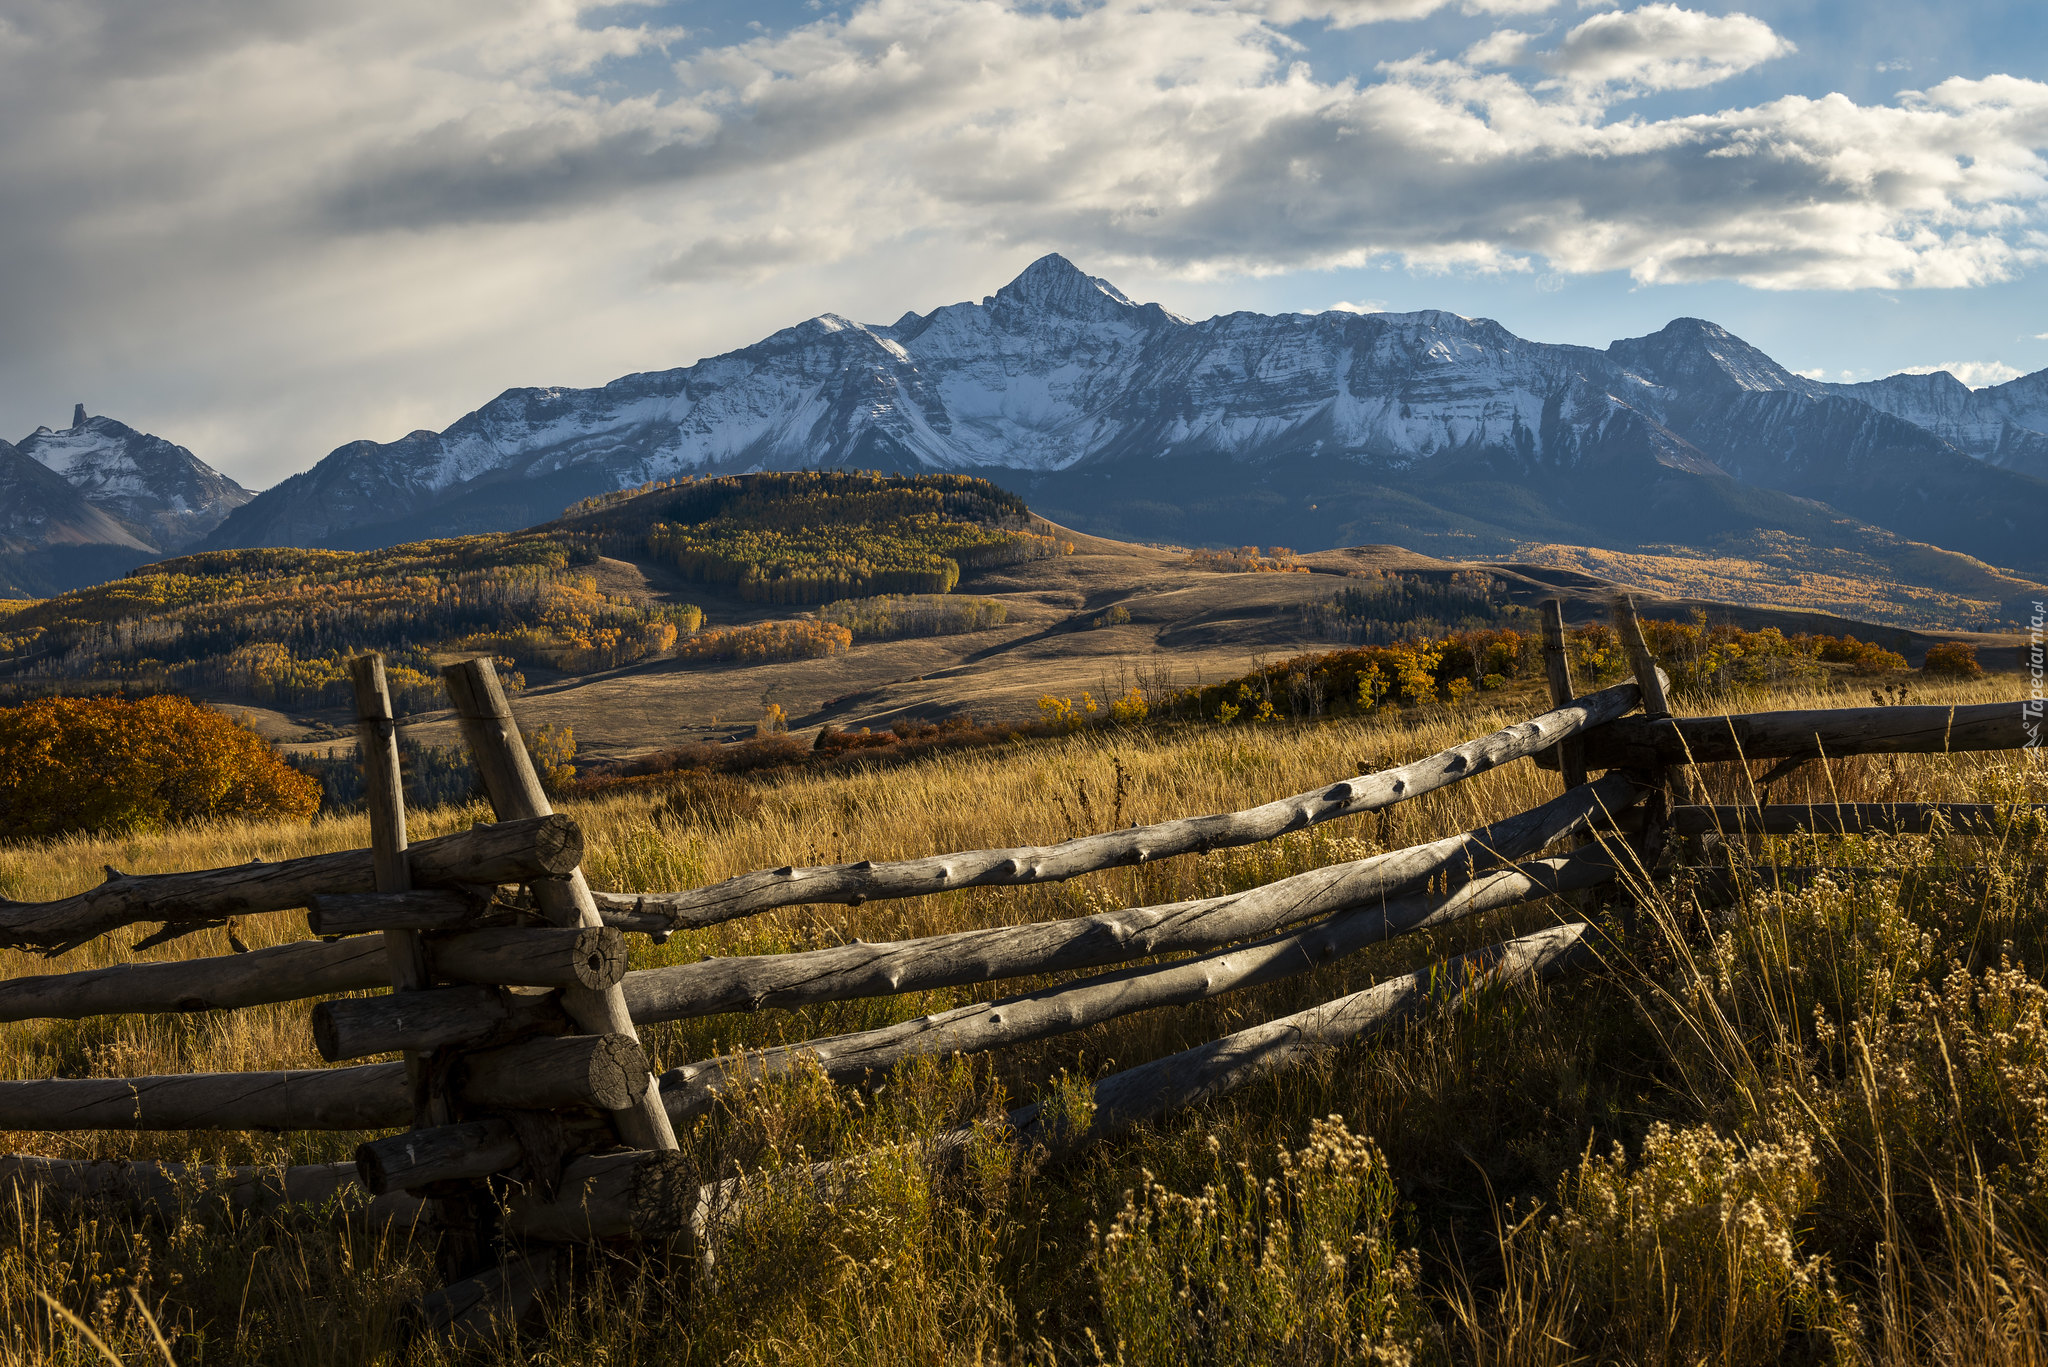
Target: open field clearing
(1805,1127)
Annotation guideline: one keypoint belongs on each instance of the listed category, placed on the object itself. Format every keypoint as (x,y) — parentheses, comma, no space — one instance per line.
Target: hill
(651,618)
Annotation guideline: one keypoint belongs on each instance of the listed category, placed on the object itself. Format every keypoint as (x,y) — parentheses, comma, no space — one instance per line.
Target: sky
(264,228)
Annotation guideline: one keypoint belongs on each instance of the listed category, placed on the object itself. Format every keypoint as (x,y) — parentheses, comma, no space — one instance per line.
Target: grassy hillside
(1804,1129)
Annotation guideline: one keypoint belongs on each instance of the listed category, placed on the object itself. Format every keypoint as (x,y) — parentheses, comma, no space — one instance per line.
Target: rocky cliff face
(1061,386)
(2005,425)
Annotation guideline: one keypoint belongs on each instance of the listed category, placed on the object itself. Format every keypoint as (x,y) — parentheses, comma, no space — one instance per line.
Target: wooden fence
(526,1112)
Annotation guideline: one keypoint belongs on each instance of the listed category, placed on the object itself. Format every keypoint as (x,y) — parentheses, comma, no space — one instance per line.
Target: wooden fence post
(1657,809)
(501,759)
(384,790)
(461,1250)
(1557,669)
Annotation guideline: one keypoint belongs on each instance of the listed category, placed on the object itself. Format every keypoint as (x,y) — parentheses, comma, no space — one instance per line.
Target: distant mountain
(2005,424)
(1427,429)
(98,498)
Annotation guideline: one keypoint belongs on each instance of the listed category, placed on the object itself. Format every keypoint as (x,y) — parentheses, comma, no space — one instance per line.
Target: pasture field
(1811,1127)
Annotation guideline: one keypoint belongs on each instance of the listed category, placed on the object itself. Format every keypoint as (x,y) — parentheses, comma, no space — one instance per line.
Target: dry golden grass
(1791,1048)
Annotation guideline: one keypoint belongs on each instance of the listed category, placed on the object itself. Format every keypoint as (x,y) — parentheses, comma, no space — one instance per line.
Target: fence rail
(514,1015)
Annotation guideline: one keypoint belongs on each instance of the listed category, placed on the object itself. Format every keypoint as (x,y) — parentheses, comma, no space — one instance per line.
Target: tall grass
(1809,1127)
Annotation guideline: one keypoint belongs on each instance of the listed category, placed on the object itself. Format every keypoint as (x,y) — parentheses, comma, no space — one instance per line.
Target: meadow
(1808,1127)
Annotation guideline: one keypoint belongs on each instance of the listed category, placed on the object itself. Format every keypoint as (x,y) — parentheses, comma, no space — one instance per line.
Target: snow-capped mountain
(174,497)
(1313,429)
(99,498)
(2004,424)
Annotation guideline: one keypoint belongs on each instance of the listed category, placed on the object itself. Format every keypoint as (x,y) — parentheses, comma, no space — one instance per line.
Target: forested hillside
(277,626)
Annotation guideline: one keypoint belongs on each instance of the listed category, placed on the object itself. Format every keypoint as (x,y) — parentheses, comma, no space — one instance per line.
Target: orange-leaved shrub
(115,764)
(1955,659)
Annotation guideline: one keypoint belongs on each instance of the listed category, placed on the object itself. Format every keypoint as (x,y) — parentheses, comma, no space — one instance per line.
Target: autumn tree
(114,765)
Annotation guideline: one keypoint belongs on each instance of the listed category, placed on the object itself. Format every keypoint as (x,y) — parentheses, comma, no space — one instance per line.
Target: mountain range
(1431,430)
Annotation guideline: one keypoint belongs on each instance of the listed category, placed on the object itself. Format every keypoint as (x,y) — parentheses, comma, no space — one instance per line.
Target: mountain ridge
(1124,415)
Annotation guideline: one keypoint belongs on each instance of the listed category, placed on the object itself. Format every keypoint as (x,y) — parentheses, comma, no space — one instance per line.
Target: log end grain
(608,1072)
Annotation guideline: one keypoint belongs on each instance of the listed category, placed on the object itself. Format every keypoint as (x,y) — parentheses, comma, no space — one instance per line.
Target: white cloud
(1895,65)
(286,223)
(1352,13)
(1362,306)
(1502,47)
(1663,47)
(1975,374)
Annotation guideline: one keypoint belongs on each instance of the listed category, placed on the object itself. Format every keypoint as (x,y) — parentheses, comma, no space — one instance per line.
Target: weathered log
(374,1097)
(165,1190)
(765,890)
(1152,1090)
(440,1153)
(1644,742)
(500,757)
(638,1193)
(691,1090)
(1644,665)
(1206,1071)
(754,982)
(440,1017)
(358,913)
(507,852)
(1569,756)
(1841,817)
(309,968)
(384,794)
(605,1071)
(532,956)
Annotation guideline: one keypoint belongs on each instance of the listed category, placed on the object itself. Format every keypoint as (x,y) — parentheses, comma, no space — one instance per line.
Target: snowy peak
(157,487)
(1707,359)
(1053,284)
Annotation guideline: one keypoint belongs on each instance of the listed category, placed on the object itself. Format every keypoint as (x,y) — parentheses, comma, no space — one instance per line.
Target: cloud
(292,223)
(1353,13)
(1663,47)
(1363,306)
(1975,374)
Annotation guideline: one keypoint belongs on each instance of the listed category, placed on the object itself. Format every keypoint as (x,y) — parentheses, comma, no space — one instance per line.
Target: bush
(1953,660)
(115,765)
(1862,657)
(1303,1267)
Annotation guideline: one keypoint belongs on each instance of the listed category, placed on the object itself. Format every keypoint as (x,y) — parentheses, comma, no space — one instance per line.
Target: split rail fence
(528,1117)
